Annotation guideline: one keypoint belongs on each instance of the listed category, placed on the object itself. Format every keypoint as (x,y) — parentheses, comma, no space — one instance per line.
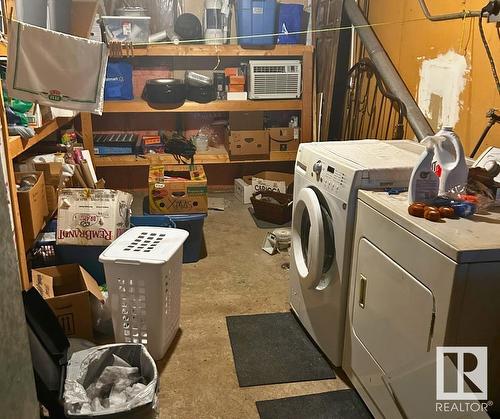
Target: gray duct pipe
(448,16)
(389,75)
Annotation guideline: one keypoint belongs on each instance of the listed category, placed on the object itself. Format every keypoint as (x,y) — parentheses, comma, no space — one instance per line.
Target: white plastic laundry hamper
(143,270)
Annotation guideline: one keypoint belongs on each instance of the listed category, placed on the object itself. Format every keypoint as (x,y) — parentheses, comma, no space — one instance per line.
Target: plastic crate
(143,272)
(256,18)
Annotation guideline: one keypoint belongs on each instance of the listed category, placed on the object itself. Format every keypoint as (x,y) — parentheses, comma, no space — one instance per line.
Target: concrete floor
(197,376)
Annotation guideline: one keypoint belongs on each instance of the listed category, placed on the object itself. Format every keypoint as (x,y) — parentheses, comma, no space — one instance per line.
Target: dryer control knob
(317,167)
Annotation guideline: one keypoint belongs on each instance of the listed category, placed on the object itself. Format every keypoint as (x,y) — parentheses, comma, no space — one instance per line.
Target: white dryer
(327,177)
(416,285)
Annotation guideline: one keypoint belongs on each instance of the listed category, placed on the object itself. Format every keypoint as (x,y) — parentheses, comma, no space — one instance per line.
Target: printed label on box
(92,217)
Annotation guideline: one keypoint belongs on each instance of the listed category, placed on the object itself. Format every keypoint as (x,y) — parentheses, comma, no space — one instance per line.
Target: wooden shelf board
(139,105)
(217,156)
(185,50)
(18,146)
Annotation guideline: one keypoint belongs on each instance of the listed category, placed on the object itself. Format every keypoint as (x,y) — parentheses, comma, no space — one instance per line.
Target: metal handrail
(389,75)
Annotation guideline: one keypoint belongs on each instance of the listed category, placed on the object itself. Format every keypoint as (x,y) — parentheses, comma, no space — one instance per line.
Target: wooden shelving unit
(18,146)
(14,147)
(216,156)
(303,105)
(170,50)
(139,105)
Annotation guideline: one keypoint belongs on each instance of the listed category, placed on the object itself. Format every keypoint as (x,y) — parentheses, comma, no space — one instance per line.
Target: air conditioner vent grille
(275,79)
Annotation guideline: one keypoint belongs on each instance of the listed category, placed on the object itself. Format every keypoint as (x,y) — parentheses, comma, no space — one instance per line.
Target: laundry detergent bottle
(424,183)
(451,157)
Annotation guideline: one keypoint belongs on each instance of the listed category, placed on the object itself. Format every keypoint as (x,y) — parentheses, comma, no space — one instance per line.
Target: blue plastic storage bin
(192,223)
(86,256)
(256,17)
(289,21)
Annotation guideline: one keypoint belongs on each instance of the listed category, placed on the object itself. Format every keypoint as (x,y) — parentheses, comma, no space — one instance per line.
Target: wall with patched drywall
(444,64)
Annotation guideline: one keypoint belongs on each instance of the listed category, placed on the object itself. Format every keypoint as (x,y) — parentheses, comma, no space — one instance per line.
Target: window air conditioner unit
(275,79)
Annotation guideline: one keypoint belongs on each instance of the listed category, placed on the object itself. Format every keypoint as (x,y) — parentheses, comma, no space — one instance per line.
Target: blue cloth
(289,20)
(118,84)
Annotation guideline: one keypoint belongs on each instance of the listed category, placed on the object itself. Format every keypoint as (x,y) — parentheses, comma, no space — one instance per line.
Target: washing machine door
(312,238)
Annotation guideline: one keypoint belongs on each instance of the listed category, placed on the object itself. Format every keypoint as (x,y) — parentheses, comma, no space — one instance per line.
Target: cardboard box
(52,175)
(69,290)
(243,190)
(237,80)
(177,189)
(236,88)
(240,121)
(270,181)
(231,71)
(32,207)
(92,217)
(51,172)
(284,139)
(51,195)
(248,144)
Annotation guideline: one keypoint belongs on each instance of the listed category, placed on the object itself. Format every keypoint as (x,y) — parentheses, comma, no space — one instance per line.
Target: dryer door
(312,238)
(393,313)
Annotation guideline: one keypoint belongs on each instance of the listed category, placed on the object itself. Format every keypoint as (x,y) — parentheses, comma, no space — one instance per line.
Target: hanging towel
(56,69)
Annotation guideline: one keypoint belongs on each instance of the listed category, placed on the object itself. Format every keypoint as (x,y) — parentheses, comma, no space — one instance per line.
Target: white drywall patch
(442,80)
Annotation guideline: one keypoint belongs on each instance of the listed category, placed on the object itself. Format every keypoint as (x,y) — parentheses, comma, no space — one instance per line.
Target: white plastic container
(450,155)
(424,183)
(127,28)
(143,272)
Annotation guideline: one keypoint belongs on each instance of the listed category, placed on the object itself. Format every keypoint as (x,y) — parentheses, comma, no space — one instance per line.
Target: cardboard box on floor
(284,139)
(32,207)
(92,217)
(69,290)
(245,187)
(177,189)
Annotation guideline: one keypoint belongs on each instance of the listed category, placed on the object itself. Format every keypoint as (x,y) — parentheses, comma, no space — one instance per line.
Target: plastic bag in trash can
(119,379)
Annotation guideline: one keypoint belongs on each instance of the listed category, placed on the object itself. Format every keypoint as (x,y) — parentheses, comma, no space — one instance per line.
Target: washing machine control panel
(329,178)
(318,166)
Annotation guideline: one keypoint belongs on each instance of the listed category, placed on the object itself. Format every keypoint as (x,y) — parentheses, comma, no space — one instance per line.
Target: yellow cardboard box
(177,189)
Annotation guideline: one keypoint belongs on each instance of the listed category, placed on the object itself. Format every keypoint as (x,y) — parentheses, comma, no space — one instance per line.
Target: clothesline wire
(312,31)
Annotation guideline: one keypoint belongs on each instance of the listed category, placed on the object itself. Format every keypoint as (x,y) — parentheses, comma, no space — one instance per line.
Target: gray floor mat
(274,348)
(341,404)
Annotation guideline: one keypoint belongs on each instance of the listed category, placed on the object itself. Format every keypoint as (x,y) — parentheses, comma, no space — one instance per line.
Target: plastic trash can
(254,20)
(143,272)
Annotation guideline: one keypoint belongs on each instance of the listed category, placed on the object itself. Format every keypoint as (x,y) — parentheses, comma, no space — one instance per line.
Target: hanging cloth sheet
(56,69)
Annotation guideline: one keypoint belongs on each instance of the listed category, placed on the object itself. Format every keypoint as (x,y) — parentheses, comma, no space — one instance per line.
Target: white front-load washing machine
(327,177)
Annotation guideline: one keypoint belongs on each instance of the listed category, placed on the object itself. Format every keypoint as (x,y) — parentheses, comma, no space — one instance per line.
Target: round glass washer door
(313,239)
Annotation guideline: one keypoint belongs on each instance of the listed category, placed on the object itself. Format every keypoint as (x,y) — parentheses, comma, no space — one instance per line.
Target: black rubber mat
(341,404)
(272,349)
